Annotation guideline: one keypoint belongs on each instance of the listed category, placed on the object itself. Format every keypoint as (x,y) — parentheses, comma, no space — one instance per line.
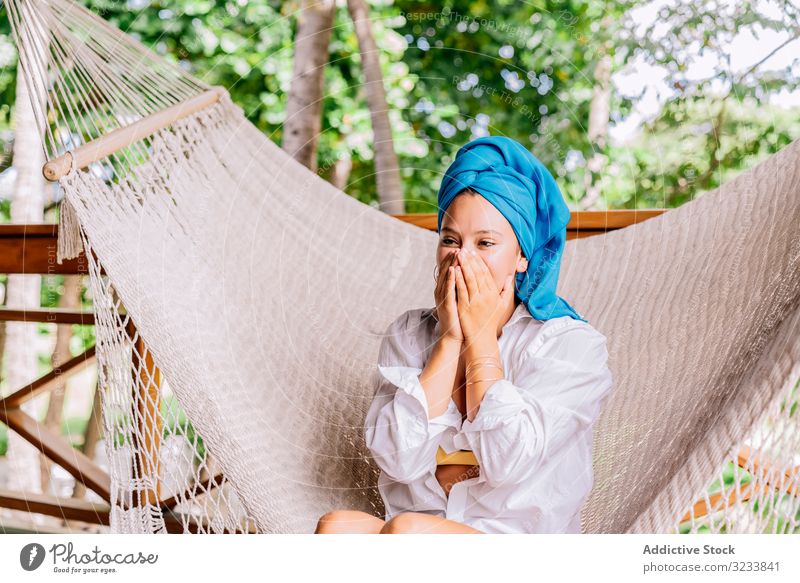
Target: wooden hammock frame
(119,138)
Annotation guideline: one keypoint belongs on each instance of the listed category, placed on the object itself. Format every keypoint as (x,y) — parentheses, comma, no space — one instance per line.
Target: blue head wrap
(512,179)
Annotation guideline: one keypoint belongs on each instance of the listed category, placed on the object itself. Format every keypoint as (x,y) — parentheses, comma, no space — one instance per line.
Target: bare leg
(421,523)
(348,522)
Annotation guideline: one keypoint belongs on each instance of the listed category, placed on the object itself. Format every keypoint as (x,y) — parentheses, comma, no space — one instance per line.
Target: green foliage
(176,423)
(74,429)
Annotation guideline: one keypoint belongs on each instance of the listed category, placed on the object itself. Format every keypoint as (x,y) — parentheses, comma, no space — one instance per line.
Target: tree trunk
(387,168)
(598,133)
(24,290)
(304,107)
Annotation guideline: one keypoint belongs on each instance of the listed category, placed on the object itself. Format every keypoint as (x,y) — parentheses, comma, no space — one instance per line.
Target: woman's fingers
(468,270)
(461,286)
(450,289)
(443,283)
(486,279)
(442,280)
(451,303)
(483,276)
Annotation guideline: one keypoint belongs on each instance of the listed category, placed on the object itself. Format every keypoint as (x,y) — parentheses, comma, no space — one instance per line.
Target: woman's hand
(480,303)
(445,295)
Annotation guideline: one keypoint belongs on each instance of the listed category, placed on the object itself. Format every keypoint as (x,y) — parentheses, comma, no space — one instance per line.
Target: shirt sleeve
(397,429)
(557,396)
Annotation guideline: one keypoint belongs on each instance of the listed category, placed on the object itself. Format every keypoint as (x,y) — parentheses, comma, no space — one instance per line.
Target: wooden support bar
(119,138)
(50,380)
(764,470)
(581,224)
(716,503)
(174,524)
(66,508)
(47,316)
(754,463)
(33,249)
(147,416)
(57,449)
(90,512)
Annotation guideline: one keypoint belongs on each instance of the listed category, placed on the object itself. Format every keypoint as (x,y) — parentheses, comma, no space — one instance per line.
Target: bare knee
(422,523)
(330,522)
(405,522)
(348,521)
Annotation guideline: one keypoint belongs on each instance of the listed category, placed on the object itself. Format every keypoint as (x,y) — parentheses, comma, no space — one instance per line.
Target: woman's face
(473,223)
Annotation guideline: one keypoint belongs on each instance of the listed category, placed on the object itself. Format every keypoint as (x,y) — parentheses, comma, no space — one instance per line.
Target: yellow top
(461,456)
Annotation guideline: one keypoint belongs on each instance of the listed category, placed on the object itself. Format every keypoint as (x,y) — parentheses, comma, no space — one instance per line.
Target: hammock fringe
(69,235)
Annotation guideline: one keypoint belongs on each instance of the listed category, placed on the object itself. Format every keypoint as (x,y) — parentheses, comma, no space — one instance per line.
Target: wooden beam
(174,524)
(754,463)
(717,502)
(119,138)
(22,526)
(66,508)
(581,224)
(33,249)
(83,511)
(59,451)
(146,416)
(47,316)
(49,380)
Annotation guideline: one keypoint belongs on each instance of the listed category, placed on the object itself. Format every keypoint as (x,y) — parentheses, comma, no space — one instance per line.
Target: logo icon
(31,556)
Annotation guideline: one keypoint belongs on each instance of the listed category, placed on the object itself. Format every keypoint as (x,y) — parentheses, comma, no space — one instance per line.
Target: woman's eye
(448,241)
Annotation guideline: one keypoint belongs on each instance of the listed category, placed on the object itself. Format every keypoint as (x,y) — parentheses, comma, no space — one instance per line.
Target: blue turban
(506,174)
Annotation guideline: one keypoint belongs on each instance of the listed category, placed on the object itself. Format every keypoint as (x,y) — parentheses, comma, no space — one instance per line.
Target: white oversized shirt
(532,435)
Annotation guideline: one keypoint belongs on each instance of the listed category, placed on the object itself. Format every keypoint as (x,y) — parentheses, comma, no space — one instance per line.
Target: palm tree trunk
(304,107)
(27,206)
(387,168)
(598,133)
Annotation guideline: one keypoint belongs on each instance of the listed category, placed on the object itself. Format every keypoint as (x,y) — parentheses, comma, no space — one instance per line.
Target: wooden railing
(581,224)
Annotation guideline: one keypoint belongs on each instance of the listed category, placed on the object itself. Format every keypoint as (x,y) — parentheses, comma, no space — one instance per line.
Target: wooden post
(147,416)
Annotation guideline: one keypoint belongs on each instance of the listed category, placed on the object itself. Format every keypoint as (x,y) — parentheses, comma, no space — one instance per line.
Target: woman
(482,419)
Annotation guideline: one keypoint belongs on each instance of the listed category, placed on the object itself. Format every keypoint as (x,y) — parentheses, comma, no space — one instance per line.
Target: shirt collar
(520,312)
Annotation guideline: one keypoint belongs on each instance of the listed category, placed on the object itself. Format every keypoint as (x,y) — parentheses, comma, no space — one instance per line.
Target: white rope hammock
(261,293)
